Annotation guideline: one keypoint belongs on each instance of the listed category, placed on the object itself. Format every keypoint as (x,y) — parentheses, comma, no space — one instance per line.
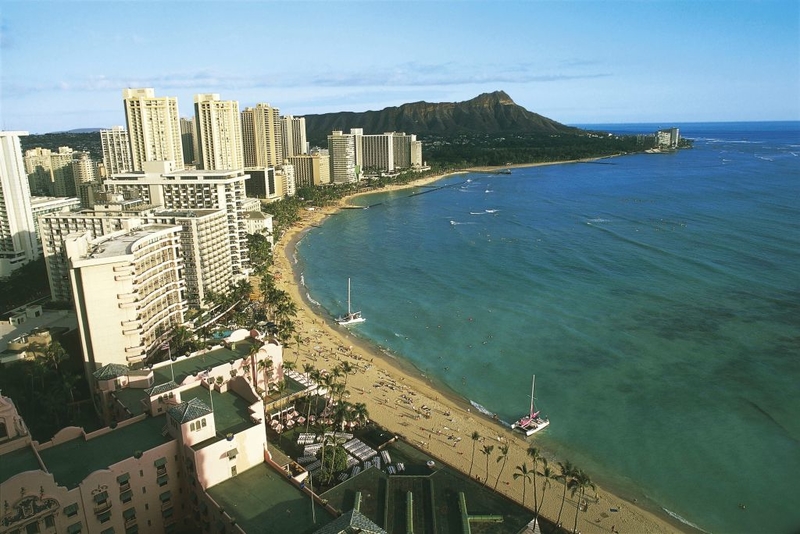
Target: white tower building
(262,138)
(17,234)
(116,150)
(153,128)
(219,133)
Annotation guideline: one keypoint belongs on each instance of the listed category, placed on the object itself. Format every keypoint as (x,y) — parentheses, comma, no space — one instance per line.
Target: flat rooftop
(120,245)
(17,462)
(73,461)
(263,501)
(185,367)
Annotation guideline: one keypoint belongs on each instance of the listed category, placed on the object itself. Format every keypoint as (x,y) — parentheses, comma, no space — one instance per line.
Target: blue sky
(63,65)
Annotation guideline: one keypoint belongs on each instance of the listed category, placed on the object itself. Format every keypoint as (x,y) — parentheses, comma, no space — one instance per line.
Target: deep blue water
(655,297)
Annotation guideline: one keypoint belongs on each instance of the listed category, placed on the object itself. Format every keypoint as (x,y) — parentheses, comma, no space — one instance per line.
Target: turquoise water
(655,297)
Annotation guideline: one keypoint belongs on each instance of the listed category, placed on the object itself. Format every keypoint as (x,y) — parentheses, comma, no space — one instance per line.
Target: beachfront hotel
(178,436)
(18,243)
(342,150)
(190,190)
(293,136)
(153,128)
(128,291)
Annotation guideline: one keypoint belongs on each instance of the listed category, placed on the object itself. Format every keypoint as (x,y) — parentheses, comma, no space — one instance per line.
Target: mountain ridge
(487,113)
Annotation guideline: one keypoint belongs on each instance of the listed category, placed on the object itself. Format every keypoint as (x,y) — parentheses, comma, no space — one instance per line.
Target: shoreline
(382,377)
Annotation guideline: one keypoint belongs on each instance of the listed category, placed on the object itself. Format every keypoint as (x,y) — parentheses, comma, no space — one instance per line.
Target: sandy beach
(394,394)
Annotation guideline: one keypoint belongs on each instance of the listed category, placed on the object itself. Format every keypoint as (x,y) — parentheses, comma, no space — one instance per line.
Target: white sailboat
(352,317)
(531,423)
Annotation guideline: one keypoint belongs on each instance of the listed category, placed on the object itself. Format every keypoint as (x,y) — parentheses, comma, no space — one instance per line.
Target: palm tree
(54,354)
(487,450)
(580,481)
(525,474)
(475,437)
(289,366)
(548,475)
(265,366)
(298,341)
(307,368)
(504,458)
(533,452)
(346,369)
(360,413)
(566,470)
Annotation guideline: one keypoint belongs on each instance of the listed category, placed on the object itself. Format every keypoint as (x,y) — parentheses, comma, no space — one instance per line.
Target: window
(71,510)
(203,421)
(162,480)
(126,496)
(32,528)
(74,528)
(50,521)
(105,516)
(191,426)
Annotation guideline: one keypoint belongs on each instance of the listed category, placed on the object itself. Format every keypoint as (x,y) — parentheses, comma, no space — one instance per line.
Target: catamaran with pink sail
(531,423)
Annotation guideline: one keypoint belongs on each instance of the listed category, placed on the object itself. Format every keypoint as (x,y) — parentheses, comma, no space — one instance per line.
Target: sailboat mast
(348,296)
(533,389)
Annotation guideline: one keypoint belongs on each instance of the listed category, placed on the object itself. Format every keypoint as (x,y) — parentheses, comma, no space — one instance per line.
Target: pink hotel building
(177,429)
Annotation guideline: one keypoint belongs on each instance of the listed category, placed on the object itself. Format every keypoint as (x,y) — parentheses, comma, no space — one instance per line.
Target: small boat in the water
(533,422)
(352,317)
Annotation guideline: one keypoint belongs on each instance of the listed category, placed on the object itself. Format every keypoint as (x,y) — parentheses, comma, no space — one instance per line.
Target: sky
(63,65)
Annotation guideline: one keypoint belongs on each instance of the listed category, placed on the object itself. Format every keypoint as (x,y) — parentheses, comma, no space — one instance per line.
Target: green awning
(101,497)
(126,496)
(74,528)
(163,479)
(161,462)
(122,479)
(72,509)
(108,531)
(233,452)
(105,516)
(167,495)
(129,513)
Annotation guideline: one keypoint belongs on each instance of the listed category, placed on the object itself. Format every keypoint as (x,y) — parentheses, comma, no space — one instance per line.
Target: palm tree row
(574,479)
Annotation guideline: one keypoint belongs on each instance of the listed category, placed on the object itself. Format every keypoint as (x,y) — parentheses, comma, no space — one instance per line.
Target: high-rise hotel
(153,128)
(17,234)
(218,133)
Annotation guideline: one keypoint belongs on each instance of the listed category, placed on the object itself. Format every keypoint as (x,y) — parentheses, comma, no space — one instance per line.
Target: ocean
(656,297)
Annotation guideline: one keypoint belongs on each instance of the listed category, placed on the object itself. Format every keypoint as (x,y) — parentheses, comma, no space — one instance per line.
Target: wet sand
(435,420)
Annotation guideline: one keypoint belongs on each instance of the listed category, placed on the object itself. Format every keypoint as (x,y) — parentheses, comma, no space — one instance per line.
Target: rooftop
(184,367)
(263,501)
(120,245)
(231,412)
(17,462)
(73,461)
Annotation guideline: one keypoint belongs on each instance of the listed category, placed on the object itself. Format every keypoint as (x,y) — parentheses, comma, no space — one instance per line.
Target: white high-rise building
(261,136)
(153,128)
(128,292)
(18,243)
(219,133)
(190,190)
(293,136)
(342,150)
(116,150)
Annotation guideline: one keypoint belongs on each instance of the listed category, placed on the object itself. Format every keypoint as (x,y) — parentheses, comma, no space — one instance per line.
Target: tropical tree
(347,369)
(525,474)
(578,484)
(307,368)
(298,341)
(566,470)
(265,366)
(548,475)
(475,437)
(487,450)
(53,355)
(360,413)
(534,454)
(504,458)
